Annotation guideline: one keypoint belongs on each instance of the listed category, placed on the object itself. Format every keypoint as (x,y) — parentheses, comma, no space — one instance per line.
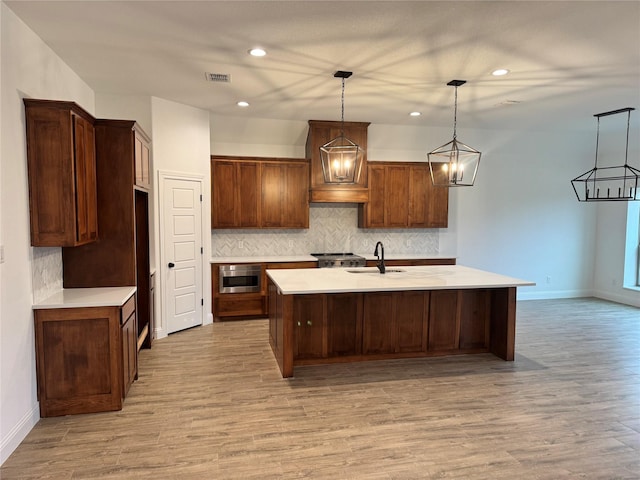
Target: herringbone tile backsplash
(332,228)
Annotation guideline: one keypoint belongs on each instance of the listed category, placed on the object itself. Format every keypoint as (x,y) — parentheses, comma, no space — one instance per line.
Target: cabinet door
(373,211)
(224,181)
(86,192)
(475,319)
(419,185)
(437,204)
(444,321)
(273,194)
(129,353)
(344,324)
(396,196)
(309,327)
(248,191)
(378,330)
(296,199)
(142,162)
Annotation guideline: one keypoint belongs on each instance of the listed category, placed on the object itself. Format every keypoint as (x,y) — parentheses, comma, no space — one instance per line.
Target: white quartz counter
(309,258)
(369,279)
(87,297)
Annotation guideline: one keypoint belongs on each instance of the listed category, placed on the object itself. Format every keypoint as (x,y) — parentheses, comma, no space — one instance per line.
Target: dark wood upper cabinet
(321,132)
(255,192)
(61,161)
(401,195)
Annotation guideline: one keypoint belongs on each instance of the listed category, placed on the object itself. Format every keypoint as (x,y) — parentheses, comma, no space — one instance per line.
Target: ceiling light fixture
(415,114)
(618,183)
(257,52)
(454,164)
(341,158)
(499,72)
(242,103)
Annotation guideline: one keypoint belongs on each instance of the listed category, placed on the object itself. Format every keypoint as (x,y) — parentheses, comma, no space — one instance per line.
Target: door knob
(171,265)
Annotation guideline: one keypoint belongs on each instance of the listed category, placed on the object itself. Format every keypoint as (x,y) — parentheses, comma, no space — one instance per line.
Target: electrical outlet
(240,244)
(290,243)
(1,253)
(548,278)
(408,242)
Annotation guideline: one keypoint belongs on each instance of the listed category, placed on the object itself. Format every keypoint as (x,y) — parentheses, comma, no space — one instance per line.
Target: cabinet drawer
(238,305)
(127,309)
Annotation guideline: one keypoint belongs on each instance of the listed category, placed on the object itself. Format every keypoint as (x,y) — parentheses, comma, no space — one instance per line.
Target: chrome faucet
(380,263)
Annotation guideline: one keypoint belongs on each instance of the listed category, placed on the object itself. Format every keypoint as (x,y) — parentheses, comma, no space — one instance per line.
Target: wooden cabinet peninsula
(418,312)
(256,192)
(61,159)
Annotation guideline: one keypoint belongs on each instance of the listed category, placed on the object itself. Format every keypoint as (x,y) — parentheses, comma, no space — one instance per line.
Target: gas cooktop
(339,259)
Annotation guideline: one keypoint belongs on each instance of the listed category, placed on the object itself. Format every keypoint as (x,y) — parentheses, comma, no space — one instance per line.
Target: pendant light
(454,164)
(341,158)
(618,183)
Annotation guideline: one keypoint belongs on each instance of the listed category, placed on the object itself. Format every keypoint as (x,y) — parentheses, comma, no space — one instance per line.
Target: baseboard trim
(19,432)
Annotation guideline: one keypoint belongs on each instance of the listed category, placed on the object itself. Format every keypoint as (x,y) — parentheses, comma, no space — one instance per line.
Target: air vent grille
(218,77)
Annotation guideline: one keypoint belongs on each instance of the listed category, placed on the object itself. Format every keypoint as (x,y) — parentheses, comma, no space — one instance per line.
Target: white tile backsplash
(46,272)
(333,227)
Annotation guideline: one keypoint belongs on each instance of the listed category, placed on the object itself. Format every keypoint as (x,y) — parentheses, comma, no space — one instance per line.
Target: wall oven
(240,278)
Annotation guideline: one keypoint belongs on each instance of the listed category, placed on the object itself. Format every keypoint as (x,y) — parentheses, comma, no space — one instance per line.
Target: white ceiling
(568,60)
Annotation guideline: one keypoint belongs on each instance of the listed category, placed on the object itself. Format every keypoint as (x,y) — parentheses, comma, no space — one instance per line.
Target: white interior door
(182,253)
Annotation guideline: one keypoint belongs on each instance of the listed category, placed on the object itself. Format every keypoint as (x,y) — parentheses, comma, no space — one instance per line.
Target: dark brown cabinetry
(85,358)
(254,192)
(121,256)
(401,195)
(321,132)
(62,173)
(142,156)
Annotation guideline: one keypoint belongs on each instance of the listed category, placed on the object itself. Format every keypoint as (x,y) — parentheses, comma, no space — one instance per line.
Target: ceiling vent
(218,77)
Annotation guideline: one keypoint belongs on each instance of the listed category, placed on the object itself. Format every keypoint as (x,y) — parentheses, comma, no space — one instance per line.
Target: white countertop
(309,258)
(87,297)
(369,279)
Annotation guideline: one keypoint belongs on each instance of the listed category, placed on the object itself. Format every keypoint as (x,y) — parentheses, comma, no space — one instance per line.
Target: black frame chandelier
(614,183)
(454,164)
(341,158)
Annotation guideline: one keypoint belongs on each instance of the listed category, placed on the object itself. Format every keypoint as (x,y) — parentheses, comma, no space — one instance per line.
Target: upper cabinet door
(61,160)
(142,160)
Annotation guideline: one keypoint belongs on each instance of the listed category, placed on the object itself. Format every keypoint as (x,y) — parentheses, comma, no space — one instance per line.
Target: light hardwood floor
(210,404)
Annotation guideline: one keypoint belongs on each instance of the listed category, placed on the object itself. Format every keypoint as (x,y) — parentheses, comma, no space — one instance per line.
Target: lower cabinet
(86,358)
(385,324)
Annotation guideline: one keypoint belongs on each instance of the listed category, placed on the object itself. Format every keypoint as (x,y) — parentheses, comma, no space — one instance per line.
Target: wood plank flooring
(210,404)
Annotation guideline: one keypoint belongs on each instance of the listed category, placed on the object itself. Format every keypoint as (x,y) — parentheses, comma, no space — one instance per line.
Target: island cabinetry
(321,132)
(86,358)
(61,160)
(401,195)
(255,192)
(121,256)
(309,328)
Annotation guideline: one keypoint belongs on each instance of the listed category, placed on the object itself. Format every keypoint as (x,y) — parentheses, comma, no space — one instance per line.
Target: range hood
(321,132)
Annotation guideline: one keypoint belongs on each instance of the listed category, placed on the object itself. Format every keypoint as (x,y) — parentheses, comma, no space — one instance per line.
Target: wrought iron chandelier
(454,164)
(616,183)
(341,158)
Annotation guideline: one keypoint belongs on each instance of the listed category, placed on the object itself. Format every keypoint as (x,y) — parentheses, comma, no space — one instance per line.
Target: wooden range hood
(321,132)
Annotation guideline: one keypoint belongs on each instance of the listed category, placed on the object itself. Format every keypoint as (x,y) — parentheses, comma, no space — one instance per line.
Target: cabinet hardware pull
(308,322)
(299,324)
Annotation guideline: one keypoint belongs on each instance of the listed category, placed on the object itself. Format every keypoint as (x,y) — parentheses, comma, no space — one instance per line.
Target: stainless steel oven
(240,278)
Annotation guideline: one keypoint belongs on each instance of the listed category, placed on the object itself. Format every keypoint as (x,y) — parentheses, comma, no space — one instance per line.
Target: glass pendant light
(617,183)
(341,158)
(454,164)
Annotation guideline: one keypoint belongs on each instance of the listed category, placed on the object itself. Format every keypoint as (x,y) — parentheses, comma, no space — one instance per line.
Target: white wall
(29,69)
(181,145)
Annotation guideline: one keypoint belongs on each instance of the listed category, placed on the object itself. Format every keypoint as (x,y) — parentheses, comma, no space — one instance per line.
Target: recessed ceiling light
(242,103)
(257,52)
(415,114)
(499,72)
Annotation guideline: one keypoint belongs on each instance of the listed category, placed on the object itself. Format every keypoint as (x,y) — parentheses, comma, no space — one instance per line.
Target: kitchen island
(355,314)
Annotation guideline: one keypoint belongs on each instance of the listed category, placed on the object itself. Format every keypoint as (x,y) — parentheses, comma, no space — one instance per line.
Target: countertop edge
(87,298)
